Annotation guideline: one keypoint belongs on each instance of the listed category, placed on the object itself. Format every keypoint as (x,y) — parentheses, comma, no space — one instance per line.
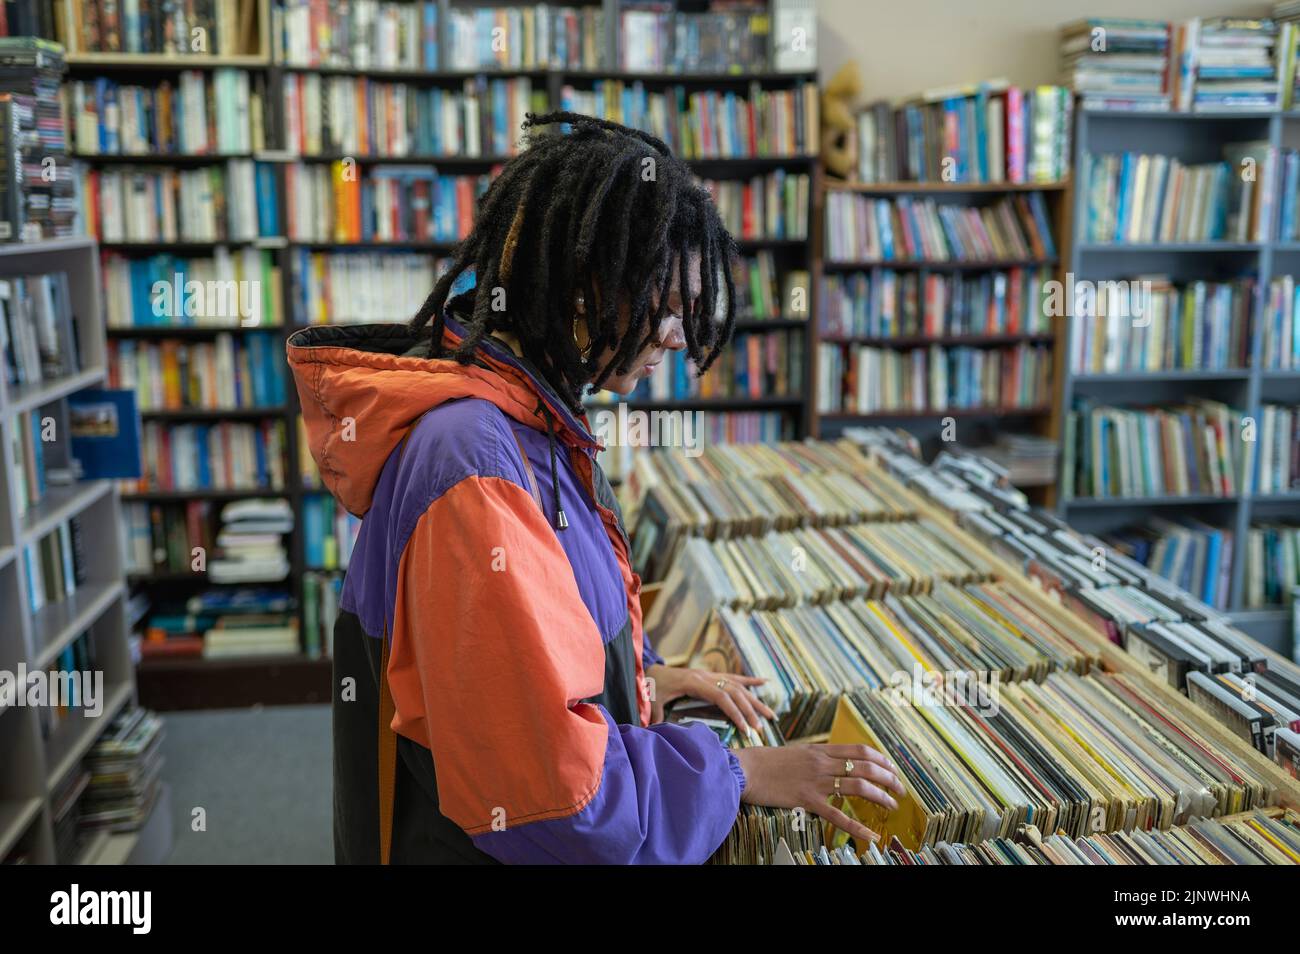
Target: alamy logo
(73,907)
(68,689)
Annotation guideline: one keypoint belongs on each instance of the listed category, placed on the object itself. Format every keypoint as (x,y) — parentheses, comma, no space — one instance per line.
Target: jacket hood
(360,394)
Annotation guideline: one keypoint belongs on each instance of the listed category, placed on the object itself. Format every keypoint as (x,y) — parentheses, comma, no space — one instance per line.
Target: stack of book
(1117,63)
(536,37)
(1192,449)
(728,38)
(774,206)
(1227,63)
(354,116)
(125,766)
(245,371)
(248,278)
(1149,324)
(334,204)
(65,810)
(1027,459)
(351,287)
(709,124)
(881,380)
(1135,198)
(225,622)
(36,329)
(363,35)
(1191,554)
(38,187)
(250,546)
(1280,321)
(1279,449)
(868,230)
(890,304)
(986,132)
(202,113)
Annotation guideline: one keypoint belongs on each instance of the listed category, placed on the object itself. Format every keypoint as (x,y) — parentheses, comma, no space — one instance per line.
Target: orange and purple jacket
(517,656)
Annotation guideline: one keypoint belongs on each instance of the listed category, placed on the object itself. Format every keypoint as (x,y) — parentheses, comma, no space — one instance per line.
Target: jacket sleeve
(493,649)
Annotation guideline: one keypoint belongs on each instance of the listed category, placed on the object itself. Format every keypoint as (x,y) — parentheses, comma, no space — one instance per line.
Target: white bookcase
(31,766)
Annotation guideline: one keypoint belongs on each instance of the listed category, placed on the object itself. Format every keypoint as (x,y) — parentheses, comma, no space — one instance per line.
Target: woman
(490,581)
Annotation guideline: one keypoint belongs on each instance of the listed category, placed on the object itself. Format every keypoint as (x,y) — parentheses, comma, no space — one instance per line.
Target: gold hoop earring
(583,353)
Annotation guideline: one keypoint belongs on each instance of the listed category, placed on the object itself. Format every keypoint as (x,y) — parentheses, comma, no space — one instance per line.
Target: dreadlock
(575,215)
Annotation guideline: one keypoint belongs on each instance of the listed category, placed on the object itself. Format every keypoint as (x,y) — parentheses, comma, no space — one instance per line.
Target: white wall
(903,46)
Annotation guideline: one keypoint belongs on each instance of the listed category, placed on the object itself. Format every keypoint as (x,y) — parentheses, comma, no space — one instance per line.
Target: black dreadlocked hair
(602,208)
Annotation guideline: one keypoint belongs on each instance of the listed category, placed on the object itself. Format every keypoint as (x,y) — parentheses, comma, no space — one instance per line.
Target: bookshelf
(278,75)
(1193,138)
(36,763)
(1036,418)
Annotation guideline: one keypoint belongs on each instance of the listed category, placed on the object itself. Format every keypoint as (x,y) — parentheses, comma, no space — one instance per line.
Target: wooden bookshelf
(1037,419)
(1193,137)
(35,765)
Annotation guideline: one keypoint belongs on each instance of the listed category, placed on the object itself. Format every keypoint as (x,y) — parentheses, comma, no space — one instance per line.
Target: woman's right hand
(803,776)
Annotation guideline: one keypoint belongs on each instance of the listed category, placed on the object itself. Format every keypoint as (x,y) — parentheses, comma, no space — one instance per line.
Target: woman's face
(670,336)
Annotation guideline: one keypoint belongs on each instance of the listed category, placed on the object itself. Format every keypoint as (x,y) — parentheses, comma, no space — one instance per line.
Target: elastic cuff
(736,770)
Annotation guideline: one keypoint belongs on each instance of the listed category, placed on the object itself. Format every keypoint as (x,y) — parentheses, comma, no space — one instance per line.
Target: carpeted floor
(263,777)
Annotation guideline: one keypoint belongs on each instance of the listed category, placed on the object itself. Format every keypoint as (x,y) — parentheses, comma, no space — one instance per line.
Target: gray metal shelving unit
(1192,137)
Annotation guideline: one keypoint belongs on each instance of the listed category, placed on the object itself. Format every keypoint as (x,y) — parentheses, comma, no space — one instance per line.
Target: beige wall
(903,46)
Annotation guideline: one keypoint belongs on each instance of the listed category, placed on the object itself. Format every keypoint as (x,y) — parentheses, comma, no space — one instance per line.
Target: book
(357,287)
(231,288)
(217,203)
(38,330)
(363,35)
(986,132)
(223,456)
(709,124)
(198,113)
(1151,324)
(723,38)
(886,303)
(229,372)
(1280,326)
(335,204)
(362,118)
(774,206)
(882,380)
(534,37)
(104,425)
(865,230)
(1118,63)
(1194,448)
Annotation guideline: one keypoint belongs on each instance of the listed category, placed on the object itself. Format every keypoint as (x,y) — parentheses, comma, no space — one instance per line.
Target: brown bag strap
(387,709)
(528,469)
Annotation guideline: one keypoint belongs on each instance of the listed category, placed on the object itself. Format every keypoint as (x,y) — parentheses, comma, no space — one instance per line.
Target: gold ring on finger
(848,766)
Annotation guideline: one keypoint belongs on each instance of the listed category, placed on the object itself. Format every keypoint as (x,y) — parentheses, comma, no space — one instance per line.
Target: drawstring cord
(561,521)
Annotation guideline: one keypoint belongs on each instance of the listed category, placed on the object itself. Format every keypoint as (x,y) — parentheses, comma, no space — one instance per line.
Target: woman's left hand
(728,691)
